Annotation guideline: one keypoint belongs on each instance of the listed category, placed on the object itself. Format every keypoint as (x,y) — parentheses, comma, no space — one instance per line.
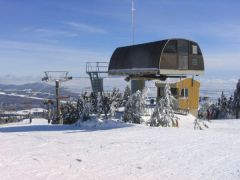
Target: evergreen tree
(214,111)
(230,105)
(134,108)
(226,107)
(223,106)
(69,112)
(105,105)
(99,105)
(113,108)
(80,106)
(163,114)
(126,95)
(87,108)
(236,100)
(144,98)
(117,97)
(115,101)
(93,101)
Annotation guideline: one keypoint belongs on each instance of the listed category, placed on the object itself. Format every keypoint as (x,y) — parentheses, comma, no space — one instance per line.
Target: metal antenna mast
(135,84)
(133,23)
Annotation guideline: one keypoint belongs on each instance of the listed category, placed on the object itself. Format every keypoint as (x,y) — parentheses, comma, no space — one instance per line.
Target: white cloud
(227,31)
(54,32)
(49,34)
(27,58)
(85,28)
(6,45)
(70,29)
(12,79)
(222,61)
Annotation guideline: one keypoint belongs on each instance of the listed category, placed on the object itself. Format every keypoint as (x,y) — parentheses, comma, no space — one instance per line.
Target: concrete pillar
(137,85)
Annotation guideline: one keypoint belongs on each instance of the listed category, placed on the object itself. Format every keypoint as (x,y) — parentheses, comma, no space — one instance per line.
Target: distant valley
(18,97)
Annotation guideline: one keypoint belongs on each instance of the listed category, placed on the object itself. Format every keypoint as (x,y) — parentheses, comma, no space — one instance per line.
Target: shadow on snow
(68,128)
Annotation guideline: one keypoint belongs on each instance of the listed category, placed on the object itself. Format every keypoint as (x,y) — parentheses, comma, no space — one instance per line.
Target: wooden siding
(192,101)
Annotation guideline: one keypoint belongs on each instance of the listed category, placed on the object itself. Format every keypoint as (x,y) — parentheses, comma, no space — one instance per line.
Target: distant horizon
(209,86)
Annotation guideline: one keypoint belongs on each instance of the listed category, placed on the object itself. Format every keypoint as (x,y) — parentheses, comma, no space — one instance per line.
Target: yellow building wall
(192,101)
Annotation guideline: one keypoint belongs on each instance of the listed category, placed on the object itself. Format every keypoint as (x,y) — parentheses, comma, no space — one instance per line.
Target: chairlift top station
(149,61)
(158,60)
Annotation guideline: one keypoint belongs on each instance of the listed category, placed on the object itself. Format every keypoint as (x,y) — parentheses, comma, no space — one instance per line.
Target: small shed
(185,91)
(158,59)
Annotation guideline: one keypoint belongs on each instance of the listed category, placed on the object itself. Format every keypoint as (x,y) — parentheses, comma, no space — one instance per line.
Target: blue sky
(39,35)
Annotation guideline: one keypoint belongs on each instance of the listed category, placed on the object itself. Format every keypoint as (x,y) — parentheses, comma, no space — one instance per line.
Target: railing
(97,67)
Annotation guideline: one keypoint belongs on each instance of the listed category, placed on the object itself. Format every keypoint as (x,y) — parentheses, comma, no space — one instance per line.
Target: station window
(194,49)
(183,62)
(171,47)
(184,93)
(183,47)
(194,62)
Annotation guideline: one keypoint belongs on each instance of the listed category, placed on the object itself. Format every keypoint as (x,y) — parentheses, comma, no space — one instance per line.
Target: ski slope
(113,150)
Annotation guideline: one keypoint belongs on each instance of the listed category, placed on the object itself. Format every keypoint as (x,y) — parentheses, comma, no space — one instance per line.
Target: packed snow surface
(114,150)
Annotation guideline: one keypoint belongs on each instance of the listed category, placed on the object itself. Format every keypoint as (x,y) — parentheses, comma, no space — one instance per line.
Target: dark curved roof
(171,56)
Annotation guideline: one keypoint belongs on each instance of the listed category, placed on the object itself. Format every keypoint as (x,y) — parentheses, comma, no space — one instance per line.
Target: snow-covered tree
(163,114)
(126,95)
(99,104)
(134,108)
(113,108)
(80,106)
(230,104)
(223,106)
(115,101)
(69,112)
(105,105)
(236,100)
(117,97)
(202,111)
(223,109)
(87,106)
(93,101)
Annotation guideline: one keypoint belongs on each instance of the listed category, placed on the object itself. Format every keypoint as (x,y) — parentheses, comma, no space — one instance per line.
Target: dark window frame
(183,47)
(171,47)
(194,61)
(184,93)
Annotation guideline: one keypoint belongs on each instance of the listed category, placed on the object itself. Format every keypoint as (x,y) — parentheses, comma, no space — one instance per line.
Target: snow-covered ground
(19,95)
(32,111)
(113,150)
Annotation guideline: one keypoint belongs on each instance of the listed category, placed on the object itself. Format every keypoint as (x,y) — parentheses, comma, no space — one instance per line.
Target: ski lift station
(170,58)
(160,59)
